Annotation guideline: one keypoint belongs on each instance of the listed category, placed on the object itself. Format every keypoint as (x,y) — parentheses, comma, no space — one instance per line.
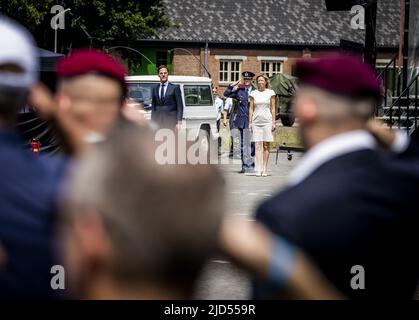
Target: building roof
(287,22)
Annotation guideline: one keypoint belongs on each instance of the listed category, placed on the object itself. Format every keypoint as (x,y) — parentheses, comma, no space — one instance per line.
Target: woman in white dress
(262,122)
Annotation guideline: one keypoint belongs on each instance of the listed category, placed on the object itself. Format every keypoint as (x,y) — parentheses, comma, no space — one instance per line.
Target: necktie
(162,91)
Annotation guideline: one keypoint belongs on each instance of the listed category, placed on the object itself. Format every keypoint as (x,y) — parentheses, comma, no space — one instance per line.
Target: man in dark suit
(347,205)
(167,105)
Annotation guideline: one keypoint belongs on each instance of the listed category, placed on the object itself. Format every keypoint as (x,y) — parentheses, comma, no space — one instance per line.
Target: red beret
(84,61)
(341,74)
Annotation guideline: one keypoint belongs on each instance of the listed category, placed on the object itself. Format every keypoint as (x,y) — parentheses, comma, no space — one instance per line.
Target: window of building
(270,68)
(223,71)
(229,71)
(161,58)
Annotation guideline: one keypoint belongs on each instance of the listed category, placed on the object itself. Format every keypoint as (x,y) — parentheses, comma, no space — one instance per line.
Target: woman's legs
(266,148)
(259,157)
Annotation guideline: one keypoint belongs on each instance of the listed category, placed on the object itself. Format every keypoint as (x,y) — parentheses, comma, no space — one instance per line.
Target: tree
(118,21)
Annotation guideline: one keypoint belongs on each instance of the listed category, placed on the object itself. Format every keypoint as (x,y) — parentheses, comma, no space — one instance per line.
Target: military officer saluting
(240,90)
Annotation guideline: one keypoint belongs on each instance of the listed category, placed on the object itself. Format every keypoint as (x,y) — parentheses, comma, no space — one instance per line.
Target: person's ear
(306,109)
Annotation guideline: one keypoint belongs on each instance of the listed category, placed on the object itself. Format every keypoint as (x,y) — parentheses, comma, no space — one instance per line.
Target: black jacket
(361,208)
(168,111)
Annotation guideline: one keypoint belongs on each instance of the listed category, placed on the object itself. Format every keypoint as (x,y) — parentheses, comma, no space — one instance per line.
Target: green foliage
(106,21)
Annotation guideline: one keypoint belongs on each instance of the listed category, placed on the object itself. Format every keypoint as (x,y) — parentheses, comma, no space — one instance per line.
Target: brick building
(228,37)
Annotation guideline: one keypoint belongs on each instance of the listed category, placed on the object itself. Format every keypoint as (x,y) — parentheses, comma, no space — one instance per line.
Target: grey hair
(337,107)
(162,220)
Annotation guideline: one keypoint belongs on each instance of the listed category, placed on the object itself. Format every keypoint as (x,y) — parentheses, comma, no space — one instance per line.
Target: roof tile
(273,21)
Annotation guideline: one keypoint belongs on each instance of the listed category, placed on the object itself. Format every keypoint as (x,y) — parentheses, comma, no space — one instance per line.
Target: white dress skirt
(262,116)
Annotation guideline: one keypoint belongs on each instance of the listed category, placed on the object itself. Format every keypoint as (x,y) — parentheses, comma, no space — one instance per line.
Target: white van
(199,111)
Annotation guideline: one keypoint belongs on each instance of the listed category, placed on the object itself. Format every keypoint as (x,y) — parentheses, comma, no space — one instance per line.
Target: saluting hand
(235,84)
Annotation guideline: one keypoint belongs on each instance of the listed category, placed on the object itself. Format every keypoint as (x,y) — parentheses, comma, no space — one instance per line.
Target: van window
(141,93)
(197,95)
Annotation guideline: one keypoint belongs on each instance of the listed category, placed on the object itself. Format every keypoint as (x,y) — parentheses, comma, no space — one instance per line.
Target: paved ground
(221,279)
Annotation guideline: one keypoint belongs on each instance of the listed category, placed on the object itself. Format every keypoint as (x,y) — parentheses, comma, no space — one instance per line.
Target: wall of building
(190,60)
(186,64)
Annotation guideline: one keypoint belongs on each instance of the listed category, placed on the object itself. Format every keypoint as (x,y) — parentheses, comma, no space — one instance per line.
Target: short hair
(11,99)
(337,107)
(162,220)
(162,67)
(264,77)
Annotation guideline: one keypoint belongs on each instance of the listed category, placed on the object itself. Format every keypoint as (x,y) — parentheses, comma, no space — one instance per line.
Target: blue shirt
(28,193)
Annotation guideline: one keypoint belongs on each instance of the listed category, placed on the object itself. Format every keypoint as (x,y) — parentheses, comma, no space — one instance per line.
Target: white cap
(17,47)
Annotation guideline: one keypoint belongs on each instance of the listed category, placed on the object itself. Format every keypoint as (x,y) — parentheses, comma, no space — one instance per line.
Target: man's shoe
(241,171)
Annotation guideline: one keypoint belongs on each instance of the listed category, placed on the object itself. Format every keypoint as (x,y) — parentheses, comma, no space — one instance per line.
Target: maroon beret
(84,61)
(341,74)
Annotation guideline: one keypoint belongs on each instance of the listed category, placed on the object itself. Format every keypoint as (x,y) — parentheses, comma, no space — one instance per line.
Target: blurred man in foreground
(347,205)
(28,184)
(134,229)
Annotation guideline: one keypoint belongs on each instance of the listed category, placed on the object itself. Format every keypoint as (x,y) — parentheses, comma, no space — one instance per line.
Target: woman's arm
(273,107)
(251,107)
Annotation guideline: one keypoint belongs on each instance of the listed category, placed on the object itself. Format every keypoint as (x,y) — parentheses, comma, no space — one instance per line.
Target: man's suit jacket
(167,111)
(360,208)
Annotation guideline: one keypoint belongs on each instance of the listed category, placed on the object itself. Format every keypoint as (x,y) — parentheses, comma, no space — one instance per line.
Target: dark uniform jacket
(360,208)
(241,120)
